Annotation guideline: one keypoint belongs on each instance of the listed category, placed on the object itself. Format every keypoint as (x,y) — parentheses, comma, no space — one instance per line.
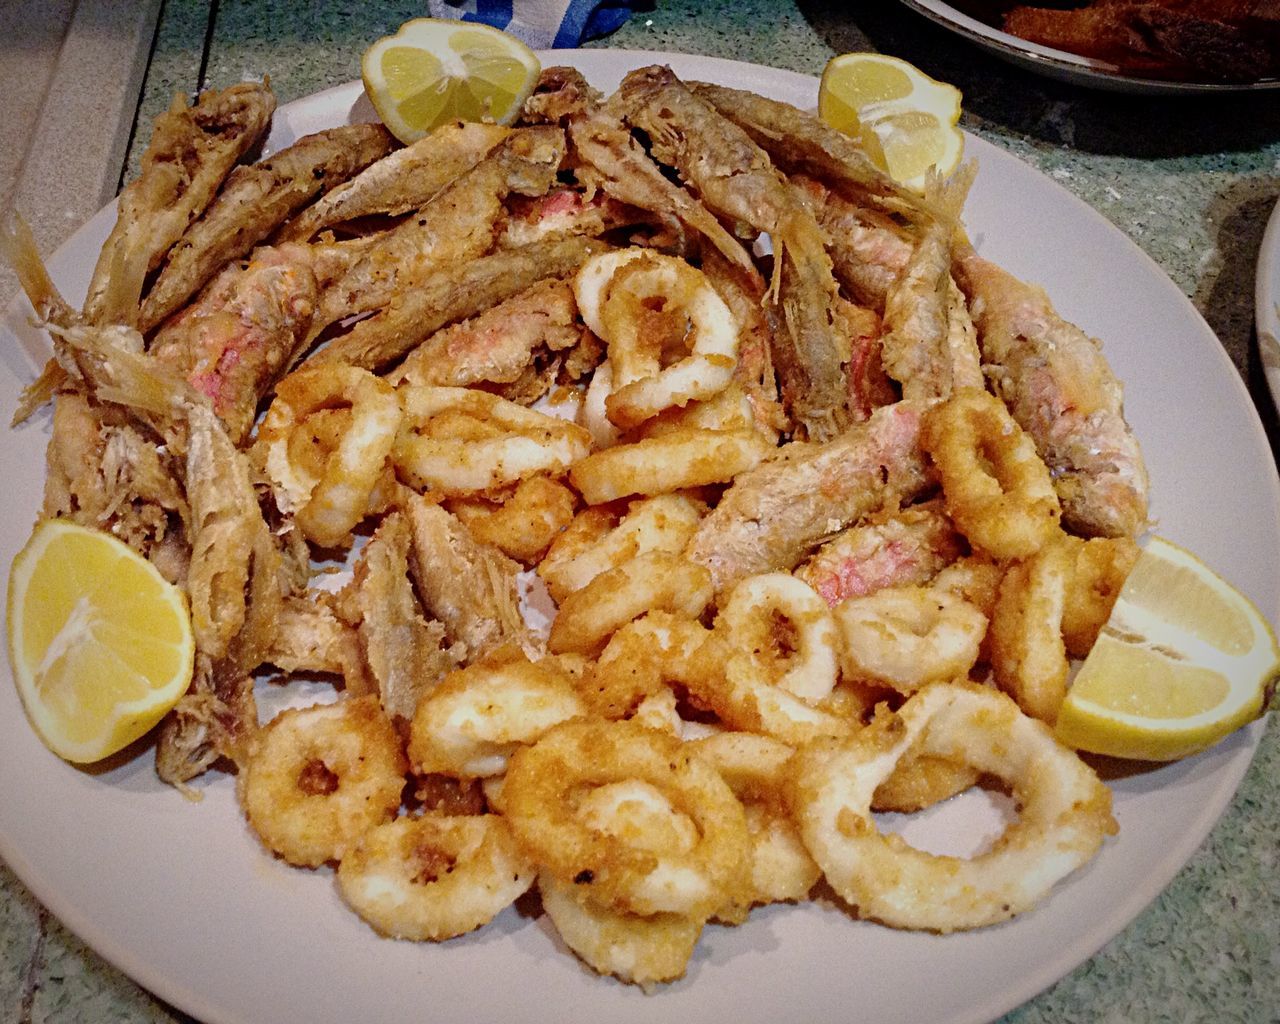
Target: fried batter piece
(192,150)
(254,202)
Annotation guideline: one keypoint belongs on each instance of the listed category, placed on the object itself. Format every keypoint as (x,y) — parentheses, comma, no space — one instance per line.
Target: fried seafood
(327,489)
(617,867)
(433,877)
(451,293)
(318,778)
(475,718)
(639,662)
(242,332)
(407,179)
(192,150)
(1064,812)
(772,516)
(461,441)
(1059,388)
(735,179)
(994,486)
(525,523)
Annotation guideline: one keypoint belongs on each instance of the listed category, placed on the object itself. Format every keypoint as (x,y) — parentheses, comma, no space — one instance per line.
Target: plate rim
(1266,304)
(1084,944)
(1064,64)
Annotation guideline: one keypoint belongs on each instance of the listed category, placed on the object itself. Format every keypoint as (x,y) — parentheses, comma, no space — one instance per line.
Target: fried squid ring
(1065,812)
(642,950)
(733,684)
(593,413)
(1028,654)
(688,457)
(460,441)
(671,338)
(592,282)
(1099,568)
(524,525)
(597,541)
(995,486)
(654,581)
(547,783)
(908,636)
(316,778)
(470,722)
(638,662)
(328,493)
(434,877)
(755,769)
(788,628)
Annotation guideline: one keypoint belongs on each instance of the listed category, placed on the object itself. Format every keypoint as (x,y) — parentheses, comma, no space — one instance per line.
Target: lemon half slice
(99,641)
(905,119)
(1184,660)
(433,71)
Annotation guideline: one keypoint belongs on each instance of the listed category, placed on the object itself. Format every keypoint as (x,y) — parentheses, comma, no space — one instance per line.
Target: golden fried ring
(783,623)
(688,457)
(460,440)
(656,303)
(1100,567)
(525,524)
(592,282)
(996,488)
(1028,655)
(755,769)
(594,412)
(545,782)
(642,950)
(1065,812)
(908,636)
(639,660)
(316,778)
(595,543)
(654,581)
(469,723)
(328,502)
(434,877)
(733,684)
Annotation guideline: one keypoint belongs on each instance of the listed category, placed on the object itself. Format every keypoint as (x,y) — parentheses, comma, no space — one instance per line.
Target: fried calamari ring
(642,950)
(1099,569)
(524,525)
(328,493)
(316,778)
(732,683)
(460,440)
(434,877)
(1028,655)
(908,636)
(594,413)
(783,623)
(654,581)
(671,338)
(688,457)
(592,282)
(1065,812)
(638,662)
(547,783)
(597,540)
(755,769)
(470,722)
(996,488)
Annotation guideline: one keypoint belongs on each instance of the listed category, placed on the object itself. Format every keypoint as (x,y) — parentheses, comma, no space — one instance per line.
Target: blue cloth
(542,24)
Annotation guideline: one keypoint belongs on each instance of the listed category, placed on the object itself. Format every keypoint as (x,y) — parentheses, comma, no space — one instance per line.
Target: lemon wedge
(100,643)
(433,71)
(905,119)
(1184,660)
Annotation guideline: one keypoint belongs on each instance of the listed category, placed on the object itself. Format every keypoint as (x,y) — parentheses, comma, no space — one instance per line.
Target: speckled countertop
(1192,181)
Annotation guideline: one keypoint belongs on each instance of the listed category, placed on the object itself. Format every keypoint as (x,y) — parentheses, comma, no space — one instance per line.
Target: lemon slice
(905,119)
(433,71)
(1183,660)
(99,641)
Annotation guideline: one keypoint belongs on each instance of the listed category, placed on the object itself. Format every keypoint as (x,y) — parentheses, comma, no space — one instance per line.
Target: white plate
(1064,66)
(183,898)
(1266,297)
